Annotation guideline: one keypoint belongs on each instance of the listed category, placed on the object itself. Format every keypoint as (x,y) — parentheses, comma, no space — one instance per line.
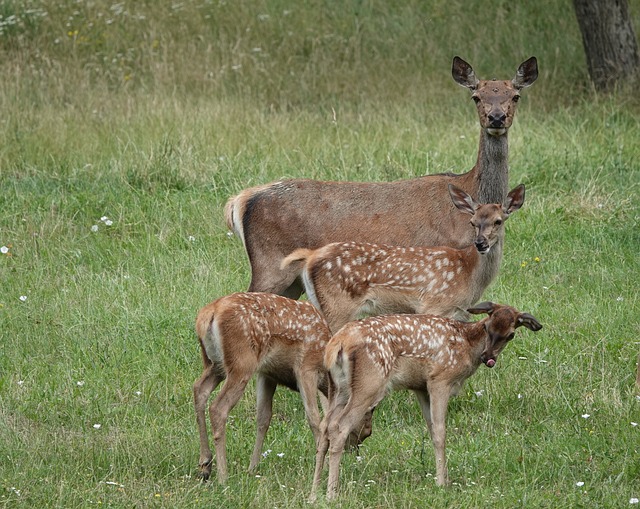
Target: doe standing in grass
(274,219)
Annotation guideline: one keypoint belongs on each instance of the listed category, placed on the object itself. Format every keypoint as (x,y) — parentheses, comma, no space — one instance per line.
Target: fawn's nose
(488,361)
(482,245)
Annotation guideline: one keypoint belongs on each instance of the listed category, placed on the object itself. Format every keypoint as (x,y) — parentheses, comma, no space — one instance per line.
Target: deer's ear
(462,200)
(514,200)
(527,73)
(482,307)
(529,322)
(463,74)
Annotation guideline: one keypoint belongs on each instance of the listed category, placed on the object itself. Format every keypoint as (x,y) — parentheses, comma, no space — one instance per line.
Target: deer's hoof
(205,470)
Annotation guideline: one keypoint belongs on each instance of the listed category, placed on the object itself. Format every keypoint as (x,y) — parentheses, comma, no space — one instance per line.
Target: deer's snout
(497,119)
(488,360)
(482,245)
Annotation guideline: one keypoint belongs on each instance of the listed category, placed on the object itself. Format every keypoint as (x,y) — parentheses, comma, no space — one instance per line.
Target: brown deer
(274,219)
(282,341)
(346,279)
(431,356)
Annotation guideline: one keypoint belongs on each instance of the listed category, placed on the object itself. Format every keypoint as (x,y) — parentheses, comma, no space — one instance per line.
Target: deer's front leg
(439,397)
(425,408)
(265,389)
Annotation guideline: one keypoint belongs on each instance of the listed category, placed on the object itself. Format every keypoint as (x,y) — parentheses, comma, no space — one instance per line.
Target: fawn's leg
(439,401)
(202,389)
(265,389)
(219,410)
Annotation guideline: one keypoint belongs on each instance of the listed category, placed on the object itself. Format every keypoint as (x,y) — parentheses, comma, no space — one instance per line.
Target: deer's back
(307,213)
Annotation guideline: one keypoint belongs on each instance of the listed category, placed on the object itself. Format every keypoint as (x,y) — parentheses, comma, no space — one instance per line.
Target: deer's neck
(487,269)
(476,339)
(492,168)
(470,350)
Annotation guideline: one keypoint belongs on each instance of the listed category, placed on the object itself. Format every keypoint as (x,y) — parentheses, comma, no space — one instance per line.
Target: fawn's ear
(482,307)
(529,322)
(514,200)
(462,200)
(527,73)
(463,74)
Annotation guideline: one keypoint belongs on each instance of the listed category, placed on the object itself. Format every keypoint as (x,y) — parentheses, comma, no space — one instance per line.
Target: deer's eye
(475,98)
(498,222)
(510,336)
(516,98)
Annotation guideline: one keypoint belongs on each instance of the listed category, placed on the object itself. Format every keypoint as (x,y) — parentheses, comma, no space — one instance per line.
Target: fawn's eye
(516,98)
(510,336)
(475,98)
(498,222)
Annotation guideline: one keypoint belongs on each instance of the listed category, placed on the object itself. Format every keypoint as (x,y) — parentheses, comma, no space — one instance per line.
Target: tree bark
(609,41)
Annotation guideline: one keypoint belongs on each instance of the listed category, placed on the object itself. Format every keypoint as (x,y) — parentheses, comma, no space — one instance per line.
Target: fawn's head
(487,219)
(500,327)
(495,100)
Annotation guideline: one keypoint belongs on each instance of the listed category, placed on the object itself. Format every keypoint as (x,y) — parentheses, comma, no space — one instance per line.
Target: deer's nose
(482,245)
(497,118)
(488,360)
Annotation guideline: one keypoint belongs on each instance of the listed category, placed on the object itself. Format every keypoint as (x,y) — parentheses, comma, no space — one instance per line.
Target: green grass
(153,114)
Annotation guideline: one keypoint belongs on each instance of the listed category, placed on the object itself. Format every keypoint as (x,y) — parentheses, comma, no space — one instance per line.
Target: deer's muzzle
(482,245)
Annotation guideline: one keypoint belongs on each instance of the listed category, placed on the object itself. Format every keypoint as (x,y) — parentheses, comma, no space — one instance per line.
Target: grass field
(125,128)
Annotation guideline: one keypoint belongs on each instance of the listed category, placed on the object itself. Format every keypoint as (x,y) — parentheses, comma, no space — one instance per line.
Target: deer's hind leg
(202,389)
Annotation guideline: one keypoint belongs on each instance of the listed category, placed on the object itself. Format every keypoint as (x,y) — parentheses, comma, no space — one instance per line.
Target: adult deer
(431,356)
(274,219)
(345,279)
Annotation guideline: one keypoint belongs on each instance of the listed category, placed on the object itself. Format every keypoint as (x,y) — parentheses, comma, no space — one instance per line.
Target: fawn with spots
(431,356)
(347,279)
(280,340)
(274,219)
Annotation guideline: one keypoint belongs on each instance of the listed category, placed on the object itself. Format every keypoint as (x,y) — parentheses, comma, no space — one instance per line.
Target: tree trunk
(609,41)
